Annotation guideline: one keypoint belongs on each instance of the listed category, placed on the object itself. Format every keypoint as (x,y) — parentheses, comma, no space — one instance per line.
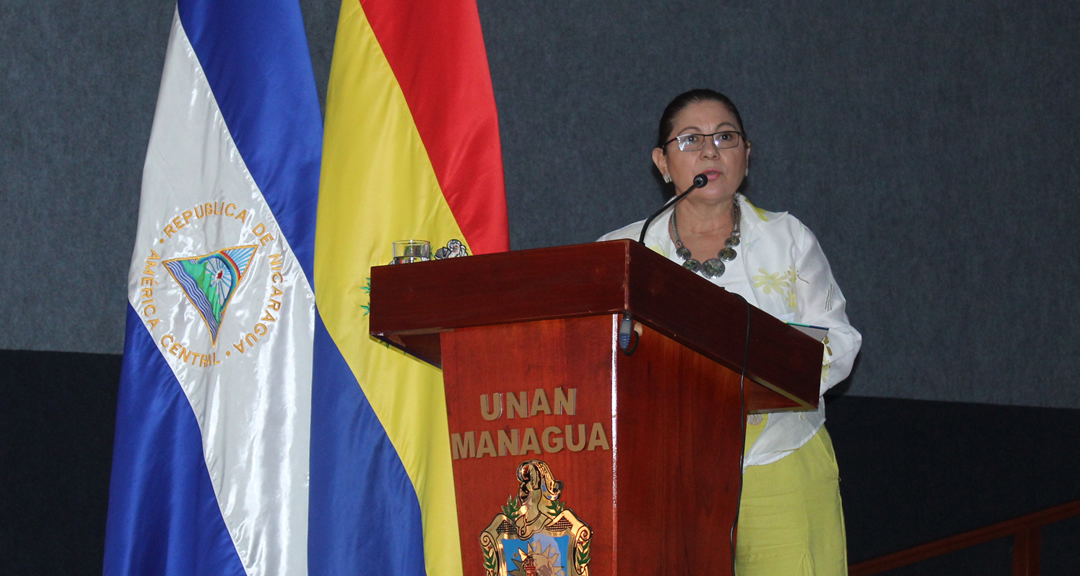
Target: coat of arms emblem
(536,535)
(210,281)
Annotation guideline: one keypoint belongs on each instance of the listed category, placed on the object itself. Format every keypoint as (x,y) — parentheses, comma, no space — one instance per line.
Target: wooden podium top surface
(411,304)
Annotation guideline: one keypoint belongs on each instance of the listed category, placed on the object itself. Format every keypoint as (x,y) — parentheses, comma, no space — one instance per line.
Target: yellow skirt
(791,521)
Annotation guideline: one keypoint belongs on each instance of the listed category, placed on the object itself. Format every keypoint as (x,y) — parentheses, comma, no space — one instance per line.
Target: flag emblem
(209,281)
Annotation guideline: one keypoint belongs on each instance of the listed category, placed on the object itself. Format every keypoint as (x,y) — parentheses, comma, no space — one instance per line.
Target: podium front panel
(646,447)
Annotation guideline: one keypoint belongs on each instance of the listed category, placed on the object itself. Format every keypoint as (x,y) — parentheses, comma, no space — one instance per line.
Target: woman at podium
(790,521)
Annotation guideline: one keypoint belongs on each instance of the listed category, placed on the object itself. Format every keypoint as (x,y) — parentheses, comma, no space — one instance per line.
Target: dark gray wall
(79,88)
(931,146)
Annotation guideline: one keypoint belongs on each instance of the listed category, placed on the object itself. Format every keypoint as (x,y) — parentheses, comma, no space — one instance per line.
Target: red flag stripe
(436,50)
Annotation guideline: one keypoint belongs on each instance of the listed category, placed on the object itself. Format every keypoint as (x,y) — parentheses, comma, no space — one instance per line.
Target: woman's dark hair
(667,120)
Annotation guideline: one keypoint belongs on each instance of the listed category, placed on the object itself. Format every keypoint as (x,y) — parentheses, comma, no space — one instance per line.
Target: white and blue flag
(210,465)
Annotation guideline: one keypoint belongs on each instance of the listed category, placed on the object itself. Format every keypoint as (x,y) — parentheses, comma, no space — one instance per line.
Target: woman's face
(725,167)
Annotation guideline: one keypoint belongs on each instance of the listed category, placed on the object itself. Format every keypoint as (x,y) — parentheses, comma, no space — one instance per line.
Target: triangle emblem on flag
(209,281)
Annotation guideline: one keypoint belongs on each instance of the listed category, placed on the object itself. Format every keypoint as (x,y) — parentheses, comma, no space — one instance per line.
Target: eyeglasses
(695,142)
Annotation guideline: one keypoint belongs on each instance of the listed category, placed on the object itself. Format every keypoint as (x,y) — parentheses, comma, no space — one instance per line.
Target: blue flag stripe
(256,59)
(174,526)
(380,532)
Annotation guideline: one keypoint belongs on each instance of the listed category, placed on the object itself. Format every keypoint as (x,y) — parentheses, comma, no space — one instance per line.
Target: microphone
(626,325)
(699,182)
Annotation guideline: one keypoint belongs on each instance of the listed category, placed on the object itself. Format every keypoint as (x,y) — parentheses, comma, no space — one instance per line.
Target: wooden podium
(599,460)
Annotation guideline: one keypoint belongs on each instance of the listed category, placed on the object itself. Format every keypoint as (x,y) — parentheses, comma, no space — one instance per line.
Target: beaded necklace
(713,267)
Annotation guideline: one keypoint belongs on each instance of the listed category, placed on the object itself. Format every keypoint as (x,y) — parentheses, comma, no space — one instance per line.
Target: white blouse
(781,269)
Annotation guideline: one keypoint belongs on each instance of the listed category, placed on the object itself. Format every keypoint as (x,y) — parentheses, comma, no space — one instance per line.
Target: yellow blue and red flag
(411,151)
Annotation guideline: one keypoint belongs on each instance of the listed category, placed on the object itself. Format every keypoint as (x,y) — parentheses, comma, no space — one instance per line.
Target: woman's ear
(660,159)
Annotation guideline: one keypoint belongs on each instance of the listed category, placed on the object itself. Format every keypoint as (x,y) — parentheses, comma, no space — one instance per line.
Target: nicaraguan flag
(210,465)
(411,152)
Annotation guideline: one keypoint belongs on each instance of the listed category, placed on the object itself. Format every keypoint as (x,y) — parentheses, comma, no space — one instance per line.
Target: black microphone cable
(742,424)
(626,328)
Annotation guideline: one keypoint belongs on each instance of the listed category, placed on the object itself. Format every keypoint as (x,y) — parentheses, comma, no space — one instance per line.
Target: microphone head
(700,181)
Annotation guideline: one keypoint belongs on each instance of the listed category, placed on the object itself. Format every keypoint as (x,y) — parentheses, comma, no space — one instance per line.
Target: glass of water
(408,251)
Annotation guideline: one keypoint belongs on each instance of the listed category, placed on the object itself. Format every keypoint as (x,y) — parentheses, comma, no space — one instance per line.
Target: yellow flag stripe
(378,185)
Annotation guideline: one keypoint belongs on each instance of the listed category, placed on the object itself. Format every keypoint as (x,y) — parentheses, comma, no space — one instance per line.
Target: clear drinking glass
(407,251)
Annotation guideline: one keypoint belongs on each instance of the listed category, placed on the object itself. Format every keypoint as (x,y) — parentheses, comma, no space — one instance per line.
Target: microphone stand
(626,325)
